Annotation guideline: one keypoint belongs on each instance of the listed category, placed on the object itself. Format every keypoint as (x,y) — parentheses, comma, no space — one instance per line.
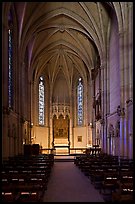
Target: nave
(82,178)
(42,178)
(68,184)
(67,88)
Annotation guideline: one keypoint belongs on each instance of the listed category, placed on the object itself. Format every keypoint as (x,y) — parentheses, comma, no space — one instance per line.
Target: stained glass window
(80,101)
(41,101)
(10,68)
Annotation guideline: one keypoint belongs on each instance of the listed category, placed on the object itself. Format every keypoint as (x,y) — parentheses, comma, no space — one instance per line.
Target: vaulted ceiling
(65,36)
(62,37)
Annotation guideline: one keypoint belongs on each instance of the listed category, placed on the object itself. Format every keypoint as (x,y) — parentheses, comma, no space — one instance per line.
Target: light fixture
(31,125)
(91,124)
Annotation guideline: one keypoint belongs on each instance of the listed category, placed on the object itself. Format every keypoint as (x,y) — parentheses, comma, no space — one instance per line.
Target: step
(63,158)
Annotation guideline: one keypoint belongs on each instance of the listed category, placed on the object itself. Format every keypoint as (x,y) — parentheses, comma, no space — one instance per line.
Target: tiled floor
(68,184)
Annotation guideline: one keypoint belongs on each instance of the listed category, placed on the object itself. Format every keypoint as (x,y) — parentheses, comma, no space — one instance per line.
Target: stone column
(130,64)
(93,129)
(130,129)
(122,142)
(71,135)
(103,106)
(126,139)
(130,48)
(128,44)
(122,92)
(92,116)
(29,128)
(125,86)
(34,107)
(50,136)
(5,138)
(126,81)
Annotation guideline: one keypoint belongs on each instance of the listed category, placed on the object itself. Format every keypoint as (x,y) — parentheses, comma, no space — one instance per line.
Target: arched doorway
(61,134)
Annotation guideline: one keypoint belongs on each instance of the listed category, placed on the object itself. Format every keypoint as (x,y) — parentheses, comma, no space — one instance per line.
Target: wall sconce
(120,111)
(91,124)
(31,125)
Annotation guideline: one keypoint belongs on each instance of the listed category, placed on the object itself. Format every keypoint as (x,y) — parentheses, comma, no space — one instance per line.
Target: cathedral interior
(67,77)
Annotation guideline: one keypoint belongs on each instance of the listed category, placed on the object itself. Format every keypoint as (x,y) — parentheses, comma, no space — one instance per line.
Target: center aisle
(68,184)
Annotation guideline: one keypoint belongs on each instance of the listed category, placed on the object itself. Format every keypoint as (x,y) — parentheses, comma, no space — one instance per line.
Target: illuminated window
(10,68)
(80,101)
(41,101)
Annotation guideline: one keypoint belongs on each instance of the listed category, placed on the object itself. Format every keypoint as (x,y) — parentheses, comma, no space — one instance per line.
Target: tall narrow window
(10,69)
(80,101)
(41,101)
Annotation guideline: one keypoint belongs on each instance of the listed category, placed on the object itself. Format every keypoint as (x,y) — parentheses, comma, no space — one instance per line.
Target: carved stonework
(120,111)
(60,109)
(62,28)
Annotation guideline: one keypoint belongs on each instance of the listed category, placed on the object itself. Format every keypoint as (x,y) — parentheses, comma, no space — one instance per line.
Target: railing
(72,151)
(78,150)
(47,151)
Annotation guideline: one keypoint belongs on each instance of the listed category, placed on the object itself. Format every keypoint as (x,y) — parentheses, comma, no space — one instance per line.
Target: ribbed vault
(60,35)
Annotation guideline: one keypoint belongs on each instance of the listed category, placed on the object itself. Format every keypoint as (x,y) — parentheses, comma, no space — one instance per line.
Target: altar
(61,146)
(61,150)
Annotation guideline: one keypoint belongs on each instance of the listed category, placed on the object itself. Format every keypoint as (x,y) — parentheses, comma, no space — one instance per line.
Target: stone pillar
(93,129)
(71,135)
(33,107)
(122,139)
(129,73)
(126,139)
(126,82)
(28,124)
(92,116)
(50,136)
(130,107)
(130,129)
(122,92)
(130,48)
(103,106)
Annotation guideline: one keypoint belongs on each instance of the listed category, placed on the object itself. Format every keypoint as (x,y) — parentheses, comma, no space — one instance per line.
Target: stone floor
(68,184)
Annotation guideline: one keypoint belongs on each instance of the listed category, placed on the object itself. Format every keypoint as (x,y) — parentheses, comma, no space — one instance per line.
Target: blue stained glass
(41,101)
(10,69)
(80,102)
